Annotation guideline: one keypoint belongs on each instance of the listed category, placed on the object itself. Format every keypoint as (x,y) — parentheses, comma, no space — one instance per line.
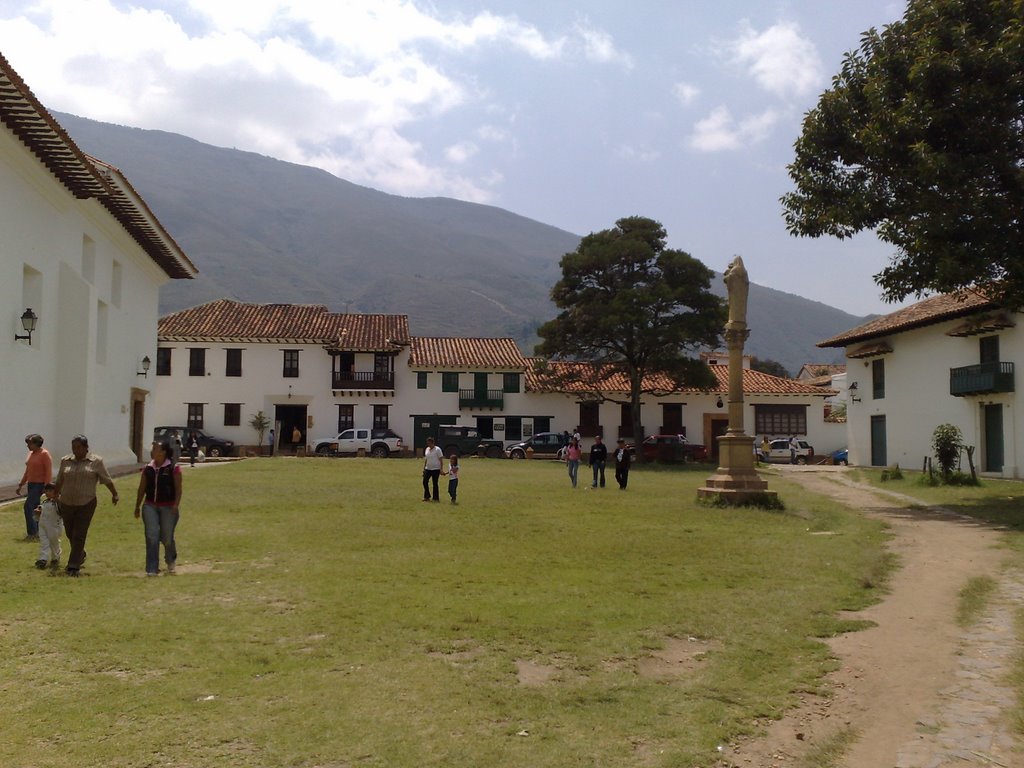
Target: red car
(672,448)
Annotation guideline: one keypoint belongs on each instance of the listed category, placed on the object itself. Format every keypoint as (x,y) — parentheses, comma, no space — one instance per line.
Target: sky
(575,114)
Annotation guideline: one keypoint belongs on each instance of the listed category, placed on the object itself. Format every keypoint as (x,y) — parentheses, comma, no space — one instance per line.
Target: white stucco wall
(96,321)
(917,397)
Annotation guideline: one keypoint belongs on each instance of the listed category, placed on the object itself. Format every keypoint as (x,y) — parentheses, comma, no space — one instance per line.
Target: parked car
(842,456)
(545,445)
(379,443)
(672,448)
(466,441)
(213,447)
(779,451)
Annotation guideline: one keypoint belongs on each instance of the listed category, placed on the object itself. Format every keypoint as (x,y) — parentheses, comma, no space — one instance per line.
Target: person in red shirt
(38,472)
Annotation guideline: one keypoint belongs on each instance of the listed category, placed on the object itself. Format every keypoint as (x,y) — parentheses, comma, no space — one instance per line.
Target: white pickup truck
(379,443)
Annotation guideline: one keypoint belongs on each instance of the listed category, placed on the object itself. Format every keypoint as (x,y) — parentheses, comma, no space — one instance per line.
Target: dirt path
(916,691)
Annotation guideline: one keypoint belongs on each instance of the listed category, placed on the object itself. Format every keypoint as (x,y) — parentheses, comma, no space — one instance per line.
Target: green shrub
(893,473)
(947,442)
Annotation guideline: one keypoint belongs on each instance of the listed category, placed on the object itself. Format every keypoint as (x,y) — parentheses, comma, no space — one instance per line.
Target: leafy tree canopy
(771,367)
(921,137)
(631,305)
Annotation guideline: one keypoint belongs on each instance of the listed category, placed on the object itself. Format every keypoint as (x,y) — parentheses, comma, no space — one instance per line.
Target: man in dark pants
(621,464)
(598,457)
(432,463)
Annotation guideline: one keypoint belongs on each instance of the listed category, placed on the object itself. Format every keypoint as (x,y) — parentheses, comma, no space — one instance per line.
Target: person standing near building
(597,460)
(79,473)
(621,464)
(193,448)
(793,446)
(433,461)
(38,472)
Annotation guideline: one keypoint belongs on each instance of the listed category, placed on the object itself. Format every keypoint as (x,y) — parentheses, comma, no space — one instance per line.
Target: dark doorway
(138,419)
(878,457)
(288,417)
(994,437)
(719,425)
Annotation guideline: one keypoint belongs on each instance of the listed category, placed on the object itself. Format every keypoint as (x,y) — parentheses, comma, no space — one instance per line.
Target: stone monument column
(736,480)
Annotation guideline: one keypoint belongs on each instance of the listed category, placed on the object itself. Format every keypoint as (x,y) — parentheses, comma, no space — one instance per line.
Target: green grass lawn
(324,616)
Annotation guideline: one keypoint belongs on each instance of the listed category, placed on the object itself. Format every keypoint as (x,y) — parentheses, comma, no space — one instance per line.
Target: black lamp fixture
(28,322)
(852,386)
(719,403)
(146,362)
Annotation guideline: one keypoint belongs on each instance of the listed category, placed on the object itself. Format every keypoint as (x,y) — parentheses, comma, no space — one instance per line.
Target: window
(449,382)
(780,419)
(380,416)
(197,362)
(541,424)
(421,380)
(590,422)
(878,379)
(88,259)
(163,361)
(672,418)
(291,364)
(510,383)
(989,349)
(513,428)
(233,363)
(195,416)
(485,427)
(232,414)
(346,417)
(626,420)
(381,363)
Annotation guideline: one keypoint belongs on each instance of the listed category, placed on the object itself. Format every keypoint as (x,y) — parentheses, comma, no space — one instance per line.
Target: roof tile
(437,352)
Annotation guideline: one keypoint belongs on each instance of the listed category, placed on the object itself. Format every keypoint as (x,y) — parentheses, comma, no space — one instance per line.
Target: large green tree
(921,138)
(632,306)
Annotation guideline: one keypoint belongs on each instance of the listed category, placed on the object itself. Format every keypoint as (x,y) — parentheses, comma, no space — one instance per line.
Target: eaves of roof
(83,176)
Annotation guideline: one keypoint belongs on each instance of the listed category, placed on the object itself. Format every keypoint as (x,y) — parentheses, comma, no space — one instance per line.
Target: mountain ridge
(265,230)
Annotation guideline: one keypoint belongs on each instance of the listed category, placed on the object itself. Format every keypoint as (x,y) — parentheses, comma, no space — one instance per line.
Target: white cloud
(461,152)
(780,59)
(638,154)
(337,85)
(599,46)
(686,93)
(719,131)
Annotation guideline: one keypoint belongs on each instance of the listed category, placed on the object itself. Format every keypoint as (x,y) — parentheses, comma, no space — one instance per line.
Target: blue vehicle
(841,457)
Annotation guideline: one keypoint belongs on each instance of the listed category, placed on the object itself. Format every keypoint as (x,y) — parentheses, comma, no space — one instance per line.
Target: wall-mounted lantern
(28,323)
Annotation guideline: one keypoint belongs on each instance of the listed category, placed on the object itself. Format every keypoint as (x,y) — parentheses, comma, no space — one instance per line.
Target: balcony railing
(983,379)
(363,380)
(492,398)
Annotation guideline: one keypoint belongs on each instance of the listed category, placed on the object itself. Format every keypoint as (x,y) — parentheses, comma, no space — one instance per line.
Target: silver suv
(779,451)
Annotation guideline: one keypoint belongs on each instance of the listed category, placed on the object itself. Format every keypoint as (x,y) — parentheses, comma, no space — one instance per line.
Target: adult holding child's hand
(79,473)
(38,472)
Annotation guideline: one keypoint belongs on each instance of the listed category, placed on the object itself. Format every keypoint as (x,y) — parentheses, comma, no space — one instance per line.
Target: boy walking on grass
(453,477)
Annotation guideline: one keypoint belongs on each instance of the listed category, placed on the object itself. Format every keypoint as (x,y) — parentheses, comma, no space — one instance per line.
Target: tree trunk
(638,429)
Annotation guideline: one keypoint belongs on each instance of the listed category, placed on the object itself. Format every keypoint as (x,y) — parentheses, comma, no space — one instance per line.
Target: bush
(893,473)
(947,442)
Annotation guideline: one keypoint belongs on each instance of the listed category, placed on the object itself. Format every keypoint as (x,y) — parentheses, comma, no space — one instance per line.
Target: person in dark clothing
(598,457)
(621,464)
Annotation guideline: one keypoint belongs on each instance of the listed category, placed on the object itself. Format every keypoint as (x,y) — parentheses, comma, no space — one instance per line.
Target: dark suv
(213,447)
(466,441)
(544,445)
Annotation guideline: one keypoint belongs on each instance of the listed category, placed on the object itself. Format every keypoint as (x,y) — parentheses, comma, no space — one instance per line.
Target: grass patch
(324,616)
(973,599)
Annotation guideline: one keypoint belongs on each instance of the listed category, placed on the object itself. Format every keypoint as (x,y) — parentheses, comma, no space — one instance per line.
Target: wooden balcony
(362,380)
(492,399)
(982,379)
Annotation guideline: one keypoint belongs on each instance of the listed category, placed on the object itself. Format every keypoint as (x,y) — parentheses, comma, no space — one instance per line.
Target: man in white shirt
(432,464)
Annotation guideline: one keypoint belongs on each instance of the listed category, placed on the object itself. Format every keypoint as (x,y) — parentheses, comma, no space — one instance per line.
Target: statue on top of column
(738,285)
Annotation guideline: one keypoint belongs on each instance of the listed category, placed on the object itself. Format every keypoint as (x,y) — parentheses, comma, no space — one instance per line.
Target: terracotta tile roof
(84,176)
(818,381)
(820,370)
(932,310)
(435,352)
(226,319)
(585,379)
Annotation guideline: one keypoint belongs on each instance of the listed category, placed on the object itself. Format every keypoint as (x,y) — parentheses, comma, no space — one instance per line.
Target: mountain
(261,229)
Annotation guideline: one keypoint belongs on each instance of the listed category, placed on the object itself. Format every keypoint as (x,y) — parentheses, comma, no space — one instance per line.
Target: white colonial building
(221,362)
(945,360)
(84,256)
